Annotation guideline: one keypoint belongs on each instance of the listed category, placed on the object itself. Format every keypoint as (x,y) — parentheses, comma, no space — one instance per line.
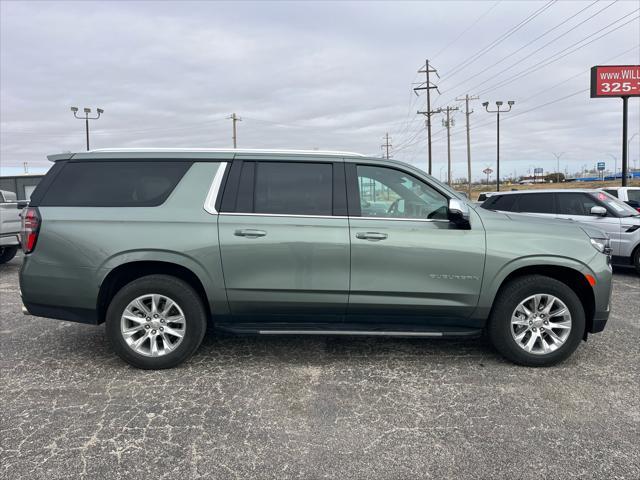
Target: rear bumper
(9,240)
(70,314)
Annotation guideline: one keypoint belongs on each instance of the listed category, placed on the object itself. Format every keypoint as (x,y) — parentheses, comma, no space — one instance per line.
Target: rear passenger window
(534,203)
(114,184)
(293,188)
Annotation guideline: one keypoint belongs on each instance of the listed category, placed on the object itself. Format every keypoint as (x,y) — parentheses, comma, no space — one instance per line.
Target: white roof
(230,150)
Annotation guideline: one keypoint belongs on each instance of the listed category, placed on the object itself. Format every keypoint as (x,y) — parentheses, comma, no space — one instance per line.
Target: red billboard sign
(615,81)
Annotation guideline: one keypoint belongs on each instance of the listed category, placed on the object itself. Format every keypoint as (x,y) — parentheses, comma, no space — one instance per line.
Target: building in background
(22,185)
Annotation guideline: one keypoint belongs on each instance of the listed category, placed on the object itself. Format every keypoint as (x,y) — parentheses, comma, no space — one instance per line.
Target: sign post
(617,81)
(601,166)
(488,171)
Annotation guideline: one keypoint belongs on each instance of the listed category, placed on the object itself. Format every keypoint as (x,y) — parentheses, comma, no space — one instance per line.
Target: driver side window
(386,192)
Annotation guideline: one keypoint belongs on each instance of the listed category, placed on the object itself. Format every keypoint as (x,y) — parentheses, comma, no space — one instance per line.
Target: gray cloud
(329,75)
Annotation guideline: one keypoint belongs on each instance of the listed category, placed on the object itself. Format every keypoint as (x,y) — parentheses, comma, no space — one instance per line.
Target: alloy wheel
(541,324)
(153,325)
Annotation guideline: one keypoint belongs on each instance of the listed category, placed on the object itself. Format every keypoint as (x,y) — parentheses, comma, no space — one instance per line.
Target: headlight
(603,245)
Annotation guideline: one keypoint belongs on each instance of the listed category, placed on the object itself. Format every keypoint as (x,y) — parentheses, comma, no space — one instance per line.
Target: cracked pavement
(349,408)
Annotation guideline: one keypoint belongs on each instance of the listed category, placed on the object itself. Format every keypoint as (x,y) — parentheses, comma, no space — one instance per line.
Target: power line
(448,123)
(483,51)
(428,86)
(466,30)
(386,146)
(467,98)
(549,60)
(535,40)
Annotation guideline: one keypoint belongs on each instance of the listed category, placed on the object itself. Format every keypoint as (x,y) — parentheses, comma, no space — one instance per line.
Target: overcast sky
(327,75)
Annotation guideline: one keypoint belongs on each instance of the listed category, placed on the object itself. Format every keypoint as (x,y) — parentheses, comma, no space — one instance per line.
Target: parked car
(629,195)
(484,195)
(589,207)
(158,244)
(9,226)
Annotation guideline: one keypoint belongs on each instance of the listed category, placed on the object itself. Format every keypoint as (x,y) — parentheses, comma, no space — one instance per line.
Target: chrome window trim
(214,189)
(291,215)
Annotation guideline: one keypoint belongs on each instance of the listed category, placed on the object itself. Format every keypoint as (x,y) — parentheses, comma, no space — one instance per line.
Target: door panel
(429,270)
(284,265)
(408,263)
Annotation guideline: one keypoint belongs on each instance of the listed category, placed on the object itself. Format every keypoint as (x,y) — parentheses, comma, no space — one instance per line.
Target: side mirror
(599,211)
(458,212)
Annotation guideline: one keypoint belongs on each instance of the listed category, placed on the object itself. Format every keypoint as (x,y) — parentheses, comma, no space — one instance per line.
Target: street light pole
(498,111)
(558,155)
(629,143)
(615,165)
(86,119)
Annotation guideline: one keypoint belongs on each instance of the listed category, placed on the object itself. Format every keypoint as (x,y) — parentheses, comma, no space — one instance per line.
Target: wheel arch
(571,277)
(125,273)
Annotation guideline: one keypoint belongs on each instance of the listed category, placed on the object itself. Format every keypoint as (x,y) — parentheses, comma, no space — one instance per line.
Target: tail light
(30,229)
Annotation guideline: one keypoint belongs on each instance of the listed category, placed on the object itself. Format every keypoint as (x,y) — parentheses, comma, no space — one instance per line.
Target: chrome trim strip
(351,333)
(280,215)
(243,214)
(210,201)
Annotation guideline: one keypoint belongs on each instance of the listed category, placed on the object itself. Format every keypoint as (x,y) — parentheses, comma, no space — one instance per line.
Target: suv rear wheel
(156,322)
(537,321)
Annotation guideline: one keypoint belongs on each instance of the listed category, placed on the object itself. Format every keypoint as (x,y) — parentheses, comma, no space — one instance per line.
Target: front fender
(495,279)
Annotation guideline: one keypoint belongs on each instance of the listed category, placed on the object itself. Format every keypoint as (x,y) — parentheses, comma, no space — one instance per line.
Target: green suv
(160,244)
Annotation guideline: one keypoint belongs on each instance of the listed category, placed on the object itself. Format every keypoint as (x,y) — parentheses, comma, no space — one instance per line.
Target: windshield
(621,208)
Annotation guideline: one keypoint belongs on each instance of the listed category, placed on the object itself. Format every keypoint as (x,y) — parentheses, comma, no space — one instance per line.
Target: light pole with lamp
(86,119)
(498,111)
(558,155)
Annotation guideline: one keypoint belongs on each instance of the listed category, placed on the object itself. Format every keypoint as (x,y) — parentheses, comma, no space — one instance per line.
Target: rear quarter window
(114,183)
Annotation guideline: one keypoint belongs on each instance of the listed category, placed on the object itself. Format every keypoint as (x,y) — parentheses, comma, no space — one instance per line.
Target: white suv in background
(596,208)
(629,195)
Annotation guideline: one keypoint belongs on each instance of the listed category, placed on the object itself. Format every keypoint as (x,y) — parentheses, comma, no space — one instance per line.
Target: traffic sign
(600,166)
(487,170)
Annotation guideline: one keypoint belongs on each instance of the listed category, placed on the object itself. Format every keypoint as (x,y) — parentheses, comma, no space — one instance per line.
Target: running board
(372,333)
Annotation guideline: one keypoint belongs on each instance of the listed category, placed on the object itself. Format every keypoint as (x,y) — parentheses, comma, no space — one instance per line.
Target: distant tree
(553,177)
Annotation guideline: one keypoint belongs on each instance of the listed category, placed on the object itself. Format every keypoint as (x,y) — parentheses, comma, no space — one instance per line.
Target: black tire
(510,296)
(7,253)
(174,288)
(636,260)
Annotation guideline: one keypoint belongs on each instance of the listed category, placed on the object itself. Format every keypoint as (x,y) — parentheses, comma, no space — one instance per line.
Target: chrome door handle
(371,236)
(250,233)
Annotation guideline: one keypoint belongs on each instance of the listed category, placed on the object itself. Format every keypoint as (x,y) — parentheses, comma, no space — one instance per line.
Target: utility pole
(558,155)
(468,112)
(499,103)
(86,119)
(235,119)
(448,123)
(428,86)
(386,145)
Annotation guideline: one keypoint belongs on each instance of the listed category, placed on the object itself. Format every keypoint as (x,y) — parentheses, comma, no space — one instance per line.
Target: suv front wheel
(156,322)
(537,321)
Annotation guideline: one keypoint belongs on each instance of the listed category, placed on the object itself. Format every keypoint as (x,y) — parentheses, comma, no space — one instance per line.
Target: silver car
(593,207)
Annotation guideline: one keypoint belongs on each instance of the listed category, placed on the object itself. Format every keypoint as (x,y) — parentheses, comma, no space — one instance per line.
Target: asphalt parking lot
(316,407)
